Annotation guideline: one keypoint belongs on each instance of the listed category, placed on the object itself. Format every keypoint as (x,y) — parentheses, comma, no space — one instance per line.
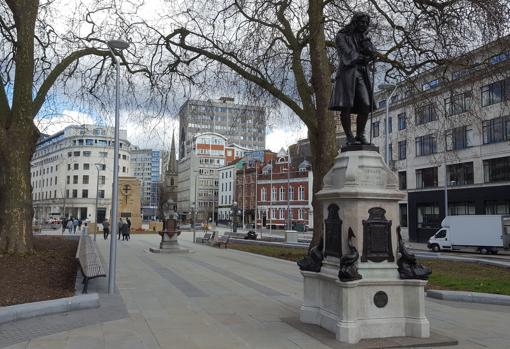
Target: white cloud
(53,123)
(282,138)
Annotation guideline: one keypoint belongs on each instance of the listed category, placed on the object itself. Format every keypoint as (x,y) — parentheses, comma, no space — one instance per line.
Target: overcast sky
(157,134)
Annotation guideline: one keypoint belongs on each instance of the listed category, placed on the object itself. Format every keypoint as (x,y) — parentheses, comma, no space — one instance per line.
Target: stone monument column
(360,282)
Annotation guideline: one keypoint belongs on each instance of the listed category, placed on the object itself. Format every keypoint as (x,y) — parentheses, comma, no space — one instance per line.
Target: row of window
(493,131)
(494,170)
(428,214)
(44,171)
(101,154)
(69,194)
(301,194)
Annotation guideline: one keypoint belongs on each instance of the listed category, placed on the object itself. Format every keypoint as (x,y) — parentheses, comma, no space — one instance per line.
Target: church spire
(172,164)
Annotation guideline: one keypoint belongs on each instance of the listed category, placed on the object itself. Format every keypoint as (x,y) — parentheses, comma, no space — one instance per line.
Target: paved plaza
(217,298)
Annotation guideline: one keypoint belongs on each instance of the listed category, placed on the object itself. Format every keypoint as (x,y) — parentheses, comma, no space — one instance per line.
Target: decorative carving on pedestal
(377,237)
(333,232)
(348,268)
(312,262)
(408,268)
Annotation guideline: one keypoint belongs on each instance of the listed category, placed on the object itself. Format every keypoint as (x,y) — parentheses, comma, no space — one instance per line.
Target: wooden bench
(204,239)
(90,263)
(222,240)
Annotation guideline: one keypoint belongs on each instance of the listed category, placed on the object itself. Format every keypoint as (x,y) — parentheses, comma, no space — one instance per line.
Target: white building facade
(226,191)
(449,133)
(72,168)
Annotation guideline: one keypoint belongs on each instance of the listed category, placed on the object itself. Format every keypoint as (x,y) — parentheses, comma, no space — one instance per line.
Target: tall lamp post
(98,168)
(114,46)
(289,222)
(392,88)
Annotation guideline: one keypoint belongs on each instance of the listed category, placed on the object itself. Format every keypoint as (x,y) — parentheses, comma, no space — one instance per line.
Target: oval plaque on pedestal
(380,299)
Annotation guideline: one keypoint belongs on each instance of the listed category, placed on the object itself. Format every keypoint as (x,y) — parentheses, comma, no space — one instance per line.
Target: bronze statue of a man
(352,90)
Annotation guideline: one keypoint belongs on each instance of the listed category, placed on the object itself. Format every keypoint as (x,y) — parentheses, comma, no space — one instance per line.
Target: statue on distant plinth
(352,90)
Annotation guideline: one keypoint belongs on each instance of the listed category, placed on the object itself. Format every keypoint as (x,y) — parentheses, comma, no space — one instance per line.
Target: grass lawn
(446,275)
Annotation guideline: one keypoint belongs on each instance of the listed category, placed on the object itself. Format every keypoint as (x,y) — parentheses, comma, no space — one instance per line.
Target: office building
(68,166)
(244,125)
(448,135)
(146,165)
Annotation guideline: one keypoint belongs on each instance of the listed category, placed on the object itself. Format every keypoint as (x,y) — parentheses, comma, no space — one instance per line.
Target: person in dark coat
(352,91)
(125,231)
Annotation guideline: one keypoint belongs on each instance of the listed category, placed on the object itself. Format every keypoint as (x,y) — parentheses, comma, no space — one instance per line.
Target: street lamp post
(289,222)
(115,45)
(193,221)
(393,88)
(98,168)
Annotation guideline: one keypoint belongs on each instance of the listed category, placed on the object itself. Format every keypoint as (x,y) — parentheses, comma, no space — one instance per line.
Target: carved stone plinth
(361,193)
(169,243)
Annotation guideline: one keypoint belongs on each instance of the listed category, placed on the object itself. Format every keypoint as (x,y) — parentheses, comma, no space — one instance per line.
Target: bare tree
(284,49)
(36,54)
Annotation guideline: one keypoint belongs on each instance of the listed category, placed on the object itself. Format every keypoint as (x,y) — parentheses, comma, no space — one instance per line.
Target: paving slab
(221,298)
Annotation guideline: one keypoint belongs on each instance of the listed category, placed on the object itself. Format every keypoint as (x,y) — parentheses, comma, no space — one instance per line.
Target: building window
(273,194)
(425,113)
(85,179)
(428,215)
(375,129)
(75,193)
(458,103)
(76,153)
(390,151)
(291,193)
(459,138)
(461,208)
(500,57)
(402,121)
(67,193)
(68,180)
(87,153)
(494,93)
(282,193)
(75,179)
(496,170)
(86,166)
(496,130)
(382,104)
(69,167)
(301,193)
(84,193)
(426,177)
(460,174)
(402,208)
(263,194)
(430,85)
(76,167)
(426,145)
(103,154)
(497,206)
(402,180)
(402,150)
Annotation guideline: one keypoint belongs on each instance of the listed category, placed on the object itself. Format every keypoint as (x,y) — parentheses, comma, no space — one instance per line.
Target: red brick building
(278,191)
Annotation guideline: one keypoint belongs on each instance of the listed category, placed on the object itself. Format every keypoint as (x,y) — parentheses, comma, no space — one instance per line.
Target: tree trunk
(323,137)
(17,145)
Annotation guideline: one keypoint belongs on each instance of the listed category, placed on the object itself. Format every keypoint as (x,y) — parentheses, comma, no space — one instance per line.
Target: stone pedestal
(169,243)
(291,236)
(360,192)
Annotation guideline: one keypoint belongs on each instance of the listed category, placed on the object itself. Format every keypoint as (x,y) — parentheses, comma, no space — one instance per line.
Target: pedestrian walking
(79,225)
(64,224)
(75,225)
(129,228)
(106,228)
(69,225)
(125,231)
(119,231)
